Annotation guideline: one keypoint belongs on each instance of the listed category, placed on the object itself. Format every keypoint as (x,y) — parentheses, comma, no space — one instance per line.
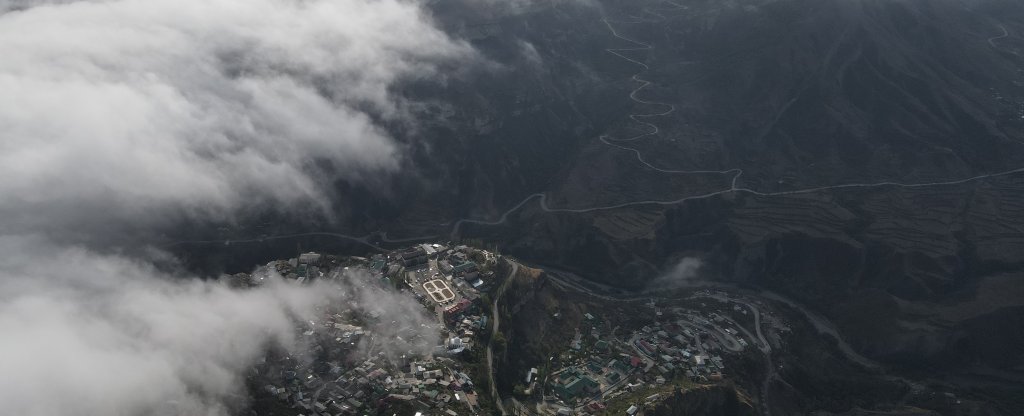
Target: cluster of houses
(426,384)
(434,383)
(345,378)
(656,354)
(448,280)
(304,268)
(467,329)
(672,349)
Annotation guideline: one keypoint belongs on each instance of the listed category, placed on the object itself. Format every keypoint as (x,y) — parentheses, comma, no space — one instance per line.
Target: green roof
(574,384)
(621,366)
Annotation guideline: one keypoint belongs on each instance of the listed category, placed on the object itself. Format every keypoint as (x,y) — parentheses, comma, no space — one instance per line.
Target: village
(692,341)
(356,370)
(367,362)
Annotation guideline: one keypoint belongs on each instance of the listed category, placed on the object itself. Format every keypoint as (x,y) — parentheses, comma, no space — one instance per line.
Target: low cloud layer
(127,109)
(401,326)
(140,113)
(91,334)
(98,334)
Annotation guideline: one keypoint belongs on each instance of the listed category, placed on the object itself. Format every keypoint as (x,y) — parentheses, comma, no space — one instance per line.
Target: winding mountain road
(992,40)
(494,331)
(826,327)
(544,205)
(652,130)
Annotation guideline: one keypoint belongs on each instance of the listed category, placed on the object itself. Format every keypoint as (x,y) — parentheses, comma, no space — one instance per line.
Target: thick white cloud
(140,111)
(402,325)
(200,106)
(92,334)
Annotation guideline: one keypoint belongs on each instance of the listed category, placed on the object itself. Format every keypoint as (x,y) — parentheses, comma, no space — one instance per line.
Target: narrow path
(384,237)
(757,328)
(652,129)
(825,327)
(766,385)
(669,108)
(364,240)
(494,331)
(544,205)
(992,40)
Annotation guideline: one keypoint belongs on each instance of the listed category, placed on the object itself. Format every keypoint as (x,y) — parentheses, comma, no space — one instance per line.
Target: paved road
(542,198)
(494,331)
(757,327)
(824,326)
(766,385)
(714,331)
(364,240)
(651,130)
(764,347)
(643,355)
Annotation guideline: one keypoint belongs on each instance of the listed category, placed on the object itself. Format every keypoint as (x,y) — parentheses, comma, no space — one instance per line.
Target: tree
(499,343)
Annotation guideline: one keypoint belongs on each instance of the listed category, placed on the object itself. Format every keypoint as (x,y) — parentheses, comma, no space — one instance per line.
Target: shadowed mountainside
(821,149)
(801,95)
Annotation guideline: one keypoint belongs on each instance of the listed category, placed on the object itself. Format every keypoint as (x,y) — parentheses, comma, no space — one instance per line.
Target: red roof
(458,307)
(635,361)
